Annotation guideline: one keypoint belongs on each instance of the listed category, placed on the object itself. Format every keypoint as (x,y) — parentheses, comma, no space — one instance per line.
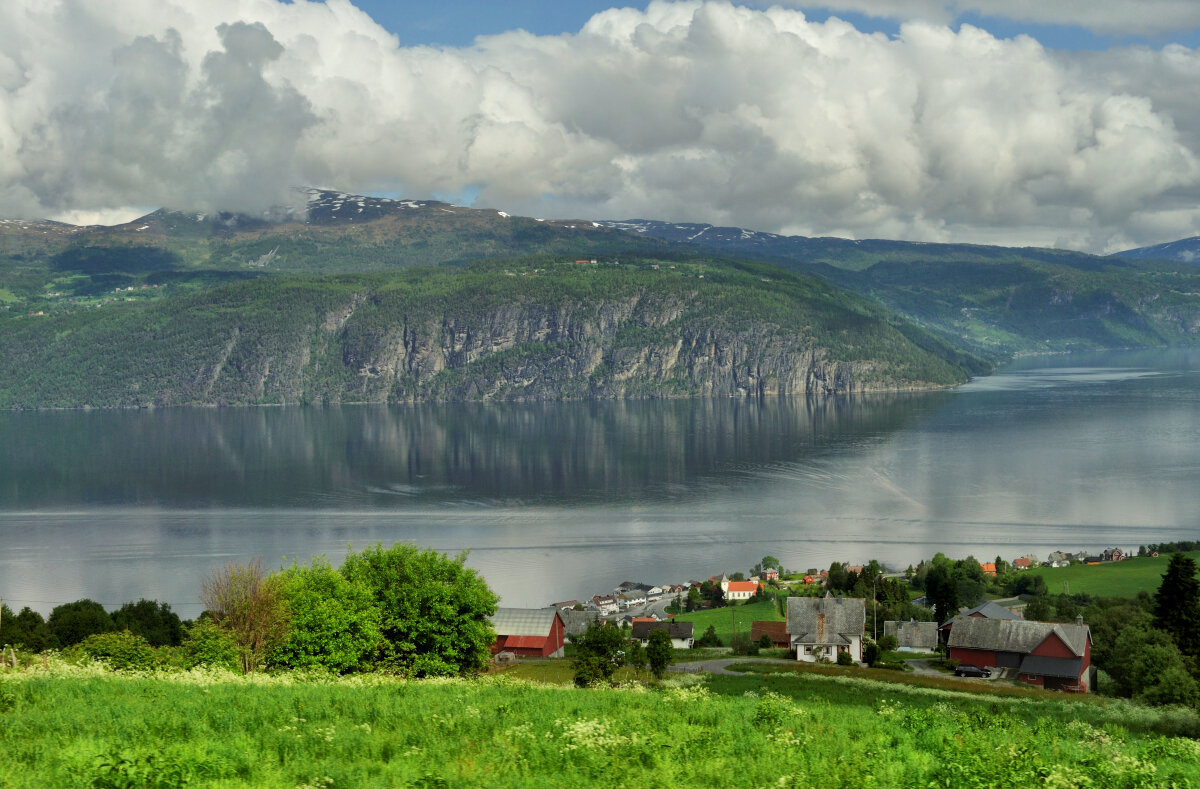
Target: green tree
(710,638)
(72,622)
(1177,604)
(693,599)
(659,652)
(435,611)
(1039,609)
(27,629)
(599,652)
(153,621)
(334,624)
(123,651)
(870,652)
(942,590)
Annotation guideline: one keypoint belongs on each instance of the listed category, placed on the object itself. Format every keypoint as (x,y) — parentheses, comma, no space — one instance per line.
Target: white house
(819,628)
(680,633)
(604,604)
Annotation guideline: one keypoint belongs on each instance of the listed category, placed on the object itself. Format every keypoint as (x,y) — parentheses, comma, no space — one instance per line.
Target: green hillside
(68,726)
(532,328)
(1111,579)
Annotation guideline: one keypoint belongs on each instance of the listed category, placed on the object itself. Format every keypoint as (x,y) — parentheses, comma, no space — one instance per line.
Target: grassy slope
(766,731)
(723,618)
(1114,579)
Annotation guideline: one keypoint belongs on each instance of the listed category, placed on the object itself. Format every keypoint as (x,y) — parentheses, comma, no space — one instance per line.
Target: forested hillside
(533,328)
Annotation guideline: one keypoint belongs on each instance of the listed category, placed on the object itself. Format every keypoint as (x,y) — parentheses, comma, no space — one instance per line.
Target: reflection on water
(562,500)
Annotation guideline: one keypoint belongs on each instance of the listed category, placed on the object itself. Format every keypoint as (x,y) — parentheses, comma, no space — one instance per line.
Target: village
(986,641)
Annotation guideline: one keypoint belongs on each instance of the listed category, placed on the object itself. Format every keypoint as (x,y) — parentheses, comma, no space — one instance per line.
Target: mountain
(351,298)
(1186,250)
(991,301)
(527,329)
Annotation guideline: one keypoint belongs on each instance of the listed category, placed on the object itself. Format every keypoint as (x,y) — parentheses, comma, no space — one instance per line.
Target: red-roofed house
(989,568)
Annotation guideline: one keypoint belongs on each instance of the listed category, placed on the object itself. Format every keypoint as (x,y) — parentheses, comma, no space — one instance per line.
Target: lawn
(723,618)
(1113,579)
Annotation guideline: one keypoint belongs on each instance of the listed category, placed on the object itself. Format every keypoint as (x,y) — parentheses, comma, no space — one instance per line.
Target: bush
(844,659)
(207,644)
(122,651)
(888,644)
(600,651)
(742,645)
(765,642)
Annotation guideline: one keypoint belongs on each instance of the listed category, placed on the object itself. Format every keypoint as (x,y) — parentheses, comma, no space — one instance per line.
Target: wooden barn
(529,632)
(1045,654)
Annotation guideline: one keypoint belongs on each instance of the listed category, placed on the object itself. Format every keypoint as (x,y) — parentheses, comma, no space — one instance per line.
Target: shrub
(844,659)
(207,644)
(122,651)
(599,652)
(249,604)
(765,642)
(888,643)
(742,645)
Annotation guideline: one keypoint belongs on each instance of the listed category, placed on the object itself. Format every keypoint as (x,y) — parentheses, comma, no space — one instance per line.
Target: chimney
(1079,619)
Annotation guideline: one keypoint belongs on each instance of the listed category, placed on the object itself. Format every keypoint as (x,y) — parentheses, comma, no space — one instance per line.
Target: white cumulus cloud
(700,111)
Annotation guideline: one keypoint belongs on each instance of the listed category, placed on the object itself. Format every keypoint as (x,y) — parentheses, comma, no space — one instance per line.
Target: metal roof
(825,620)
(523,621)
(1069,668)
(1009,635)
(986,610)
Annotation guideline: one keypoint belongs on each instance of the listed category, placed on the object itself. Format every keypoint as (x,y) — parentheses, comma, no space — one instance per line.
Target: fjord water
(564,500)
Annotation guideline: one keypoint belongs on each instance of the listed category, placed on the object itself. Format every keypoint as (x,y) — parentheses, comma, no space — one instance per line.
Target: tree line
(401,610)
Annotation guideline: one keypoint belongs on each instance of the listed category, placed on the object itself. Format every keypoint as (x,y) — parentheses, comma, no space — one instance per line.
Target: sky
(1063,123)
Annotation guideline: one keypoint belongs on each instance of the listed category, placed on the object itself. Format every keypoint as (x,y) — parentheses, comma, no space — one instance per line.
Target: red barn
(529,632)
(1045,654)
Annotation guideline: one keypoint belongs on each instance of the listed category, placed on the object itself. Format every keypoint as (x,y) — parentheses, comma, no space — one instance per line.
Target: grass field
(1114,579)
(723,618)
(83,727)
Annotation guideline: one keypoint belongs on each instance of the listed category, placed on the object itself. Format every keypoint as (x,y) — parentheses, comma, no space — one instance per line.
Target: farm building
(1046,654)
(529,632)
(776,631)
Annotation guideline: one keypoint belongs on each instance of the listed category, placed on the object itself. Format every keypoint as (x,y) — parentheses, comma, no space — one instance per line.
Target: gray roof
(524,621)
(577,622)
(1015,635)
(1069,668)
(988,610)
(825,620)
(913,634)
(642,630)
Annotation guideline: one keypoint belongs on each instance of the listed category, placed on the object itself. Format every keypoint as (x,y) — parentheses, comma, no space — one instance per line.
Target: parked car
(972,671)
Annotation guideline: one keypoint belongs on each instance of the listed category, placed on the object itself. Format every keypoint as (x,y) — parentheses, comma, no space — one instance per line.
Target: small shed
(913,636)
(529,632)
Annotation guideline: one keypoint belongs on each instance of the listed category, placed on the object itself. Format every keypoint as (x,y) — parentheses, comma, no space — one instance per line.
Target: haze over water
(564,500)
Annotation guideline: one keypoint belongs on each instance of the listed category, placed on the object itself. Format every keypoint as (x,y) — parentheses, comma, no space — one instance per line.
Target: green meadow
(83,726)
(1111,579)
(724,619)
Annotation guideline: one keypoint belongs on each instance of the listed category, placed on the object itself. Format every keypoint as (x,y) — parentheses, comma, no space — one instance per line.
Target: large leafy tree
(153,621)
(599,652)
(334,624)
(435,612)
(1177,604)
(27,629)
(72,622)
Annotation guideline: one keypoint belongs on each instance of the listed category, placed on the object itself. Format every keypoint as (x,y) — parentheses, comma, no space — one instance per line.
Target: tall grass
(82,726)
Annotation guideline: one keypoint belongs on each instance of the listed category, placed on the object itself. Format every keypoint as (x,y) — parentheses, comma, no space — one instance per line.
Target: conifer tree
(1177,604)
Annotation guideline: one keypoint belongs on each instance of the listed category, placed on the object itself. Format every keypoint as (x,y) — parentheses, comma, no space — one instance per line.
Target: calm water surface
(558,501)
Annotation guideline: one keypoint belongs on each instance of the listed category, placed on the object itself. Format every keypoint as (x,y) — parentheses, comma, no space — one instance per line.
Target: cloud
(1119,17)
(699,111)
